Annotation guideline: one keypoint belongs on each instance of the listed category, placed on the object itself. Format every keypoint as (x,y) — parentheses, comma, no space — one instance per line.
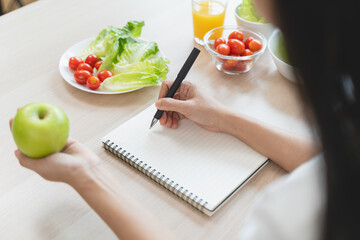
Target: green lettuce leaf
(109,36)
(248,12)
(134,63)
(129,81)
(127,51)
(113,51)
(138,74)
(137,52)
(156,66)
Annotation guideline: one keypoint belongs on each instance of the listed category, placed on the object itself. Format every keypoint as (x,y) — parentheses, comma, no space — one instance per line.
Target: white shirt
(291,208)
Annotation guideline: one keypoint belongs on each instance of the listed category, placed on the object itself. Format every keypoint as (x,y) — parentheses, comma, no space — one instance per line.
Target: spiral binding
(156,176)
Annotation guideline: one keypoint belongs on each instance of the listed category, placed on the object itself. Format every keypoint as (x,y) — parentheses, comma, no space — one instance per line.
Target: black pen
(180,77)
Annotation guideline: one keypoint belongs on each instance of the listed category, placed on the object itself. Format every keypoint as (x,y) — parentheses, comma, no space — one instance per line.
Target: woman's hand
(79,167)
(72,165)
(189,103)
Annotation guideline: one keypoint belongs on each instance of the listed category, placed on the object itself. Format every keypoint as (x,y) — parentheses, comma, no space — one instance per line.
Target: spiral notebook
(202,168)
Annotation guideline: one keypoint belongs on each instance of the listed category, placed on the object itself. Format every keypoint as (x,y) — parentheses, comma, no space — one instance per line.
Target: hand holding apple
(40,129)
(72,165)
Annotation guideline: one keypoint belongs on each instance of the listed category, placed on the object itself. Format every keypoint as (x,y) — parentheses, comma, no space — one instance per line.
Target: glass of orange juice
(207,14)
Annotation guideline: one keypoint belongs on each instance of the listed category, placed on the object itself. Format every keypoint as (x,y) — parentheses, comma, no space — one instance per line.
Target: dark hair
(321,40)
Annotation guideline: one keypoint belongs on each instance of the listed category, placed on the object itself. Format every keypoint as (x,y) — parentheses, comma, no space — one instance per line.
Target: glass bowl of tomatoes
(234,50)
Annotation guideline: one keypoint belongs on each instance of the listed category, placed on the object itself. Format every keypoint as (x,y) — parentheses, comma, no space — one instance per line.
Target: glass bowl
(233,64)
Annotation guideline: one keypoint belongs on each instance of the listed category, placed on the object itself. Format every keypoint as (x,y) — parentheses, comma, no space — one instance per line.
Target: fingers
(163,119)
(165,86)
(25,161)
(69,142)
(186,91)
(175,122)
(170,104)
(12,120)
(184,88)
(174,109)
(169,120)
(11,123)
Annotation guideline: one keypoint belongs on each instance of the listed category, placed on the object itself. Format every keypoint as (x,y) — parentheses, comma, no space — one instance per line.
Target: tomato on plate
(93,82)
(81,76)
(91,60)
(247,41)
(74,62)
(219,41)
(237,47)
(98,64)
(236,35)
(255,45)
(223,49)
(85,66)
(104,74)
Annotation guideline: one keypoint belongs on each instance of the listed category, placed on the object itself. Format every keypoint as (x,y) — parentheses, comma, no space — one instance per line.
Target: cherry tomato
(227,66)
(241,66)
(237,47)
(236,35)
(247,52)
(74,62)
(93,82)
(232,62)
(255,45)
(223,49)
(104,74)
(247,41)
(81,76)
(84,66)
(91,60)
(219,41)
(98,64)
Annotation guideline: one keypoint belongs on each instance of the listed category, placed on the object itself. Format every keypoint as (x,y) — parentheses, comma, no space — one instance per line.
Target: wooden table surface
(32,40)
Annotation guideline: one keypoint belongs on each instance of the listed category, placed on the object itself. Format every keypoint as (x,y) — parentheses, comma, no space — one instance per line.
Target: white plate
(68,74)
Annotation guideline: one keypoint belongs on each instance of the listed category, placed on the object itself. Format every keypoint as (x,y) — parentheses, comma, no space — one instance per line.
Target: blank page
(209,165)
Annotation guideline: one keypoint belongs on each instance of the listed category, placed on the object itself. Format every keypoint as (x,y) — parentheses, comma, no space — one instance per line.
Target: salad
(248,12)
(117,60)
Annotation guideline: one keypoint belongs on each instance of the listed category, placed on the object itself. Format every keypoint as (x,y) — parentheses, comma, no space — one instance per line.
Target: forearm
(287,149)
(123,214)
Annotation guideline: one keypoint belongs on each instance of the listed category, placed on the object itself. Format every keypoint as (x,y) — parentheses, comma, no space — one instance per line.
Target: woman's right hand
(73,165)
(189,103)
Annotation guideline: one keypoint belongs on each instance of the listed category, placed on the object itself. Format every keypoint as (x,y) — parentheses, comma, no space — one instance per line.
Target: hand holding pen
(193,103)
(176,84)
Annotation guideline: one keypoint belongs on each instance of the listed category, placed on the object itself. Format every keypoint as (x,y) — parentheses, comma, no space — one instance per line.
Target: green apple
(40,129)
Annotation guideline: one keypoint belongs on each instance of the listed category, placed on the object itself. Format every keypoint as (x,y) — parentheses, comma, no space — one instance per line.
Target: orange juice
(206,16)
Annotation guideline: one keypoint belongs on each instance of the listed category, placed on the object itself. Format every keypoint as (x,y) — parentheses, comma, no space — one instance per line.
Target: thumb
(174,105)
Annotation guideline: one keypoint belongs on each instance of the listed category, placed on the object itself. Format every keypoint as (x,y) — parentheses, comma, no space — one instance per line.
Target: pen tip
(153,122)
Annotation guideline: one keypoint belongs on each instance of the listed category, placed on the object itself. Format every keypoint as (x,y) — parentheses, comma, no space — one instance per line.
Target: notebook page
(209,165)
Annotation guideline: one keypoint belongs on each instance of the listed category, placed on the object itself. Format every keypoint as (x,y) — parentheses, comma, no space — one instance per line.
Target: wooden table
(33,38)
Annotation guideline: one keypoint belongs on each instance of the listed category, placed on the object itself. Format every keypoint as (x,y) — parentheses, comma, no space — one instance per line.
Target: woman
(316,200)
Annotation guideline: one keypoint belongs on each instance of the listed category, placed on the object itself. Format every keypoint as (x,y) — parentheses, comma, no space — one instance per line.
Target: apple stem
(42,115)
